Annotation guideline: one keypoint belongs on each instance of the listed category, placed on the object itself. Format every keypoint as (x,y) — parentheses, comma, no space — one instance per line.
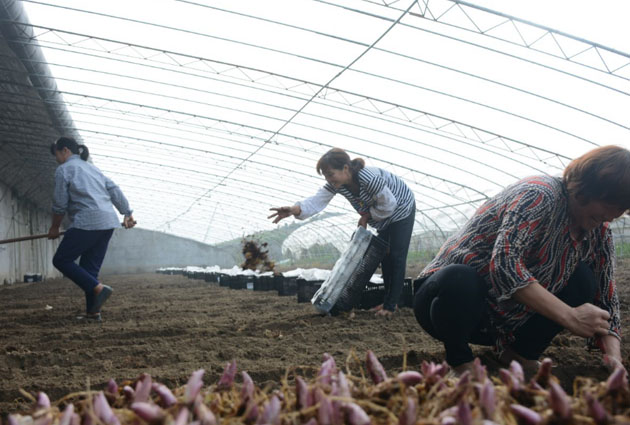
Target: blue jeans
(91,246)
(394,265)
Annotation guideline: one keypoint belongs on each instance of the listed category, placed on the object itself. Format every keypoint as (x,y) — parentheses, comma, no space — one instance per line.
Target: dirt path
(169,326)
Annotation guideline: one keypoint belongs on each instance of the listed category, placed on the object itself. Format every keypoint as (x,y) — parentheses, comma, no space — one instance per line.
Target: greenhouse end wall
(130,251)
(20,218)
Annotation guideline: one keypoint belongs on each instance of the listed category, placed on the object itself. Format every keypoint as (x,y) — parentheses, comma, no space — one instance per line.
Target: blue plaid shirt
(86,195)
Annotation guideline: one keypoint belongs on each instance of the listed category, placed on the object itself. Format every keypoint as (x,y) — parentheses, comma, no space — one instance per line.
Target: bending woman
(382,200)
(534,260)
(86,195)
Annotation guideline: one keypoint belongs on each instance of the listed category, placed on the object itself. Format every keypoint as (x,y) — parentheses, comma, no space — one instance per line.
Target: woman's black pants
(451,306)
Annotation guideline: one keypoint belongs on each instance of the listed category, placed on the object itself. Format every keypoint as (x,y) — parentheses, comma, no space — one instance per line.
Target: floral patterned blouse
(522,236)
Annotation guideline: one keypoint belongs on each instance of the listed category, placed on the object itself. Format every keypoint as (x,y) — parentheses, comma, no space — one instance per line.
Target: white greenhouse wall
(19,218)
(130,251)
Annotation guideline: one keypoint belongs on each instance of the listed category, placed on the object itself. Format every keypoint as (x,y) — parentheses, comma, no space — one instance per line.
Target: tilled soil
(169,326)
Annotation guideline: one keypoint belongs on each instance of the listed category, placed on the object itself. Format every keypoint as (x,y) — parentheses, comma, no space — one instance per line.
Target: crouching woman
(535,259)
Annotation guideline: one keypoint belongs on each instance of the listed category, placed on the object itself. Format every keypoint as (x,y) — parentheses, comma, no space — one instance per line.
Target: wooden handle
(27,238)
(45,235)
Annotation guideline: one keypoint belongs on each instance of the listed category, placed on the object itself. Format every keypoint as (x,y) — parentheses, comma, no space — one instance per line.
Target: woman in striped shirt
(382,200)
(534,260)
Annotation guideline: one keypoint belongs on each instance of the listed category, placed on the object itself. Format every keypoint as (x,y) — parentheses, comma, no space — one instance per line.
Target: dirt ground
(169,326)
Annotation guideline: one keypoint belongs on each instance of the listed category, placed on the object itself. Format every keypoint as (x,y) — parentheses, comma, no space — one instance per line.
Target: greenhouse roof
(208,113)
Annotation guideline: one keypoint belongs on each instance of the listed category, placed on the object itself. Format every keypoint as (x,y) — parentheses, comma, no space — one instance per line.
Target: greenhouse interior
(207,117)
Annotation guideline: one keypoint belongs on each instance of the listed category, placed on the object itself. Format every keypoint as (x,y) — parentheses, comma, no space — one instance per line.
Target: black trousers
(451,306)
(394,265)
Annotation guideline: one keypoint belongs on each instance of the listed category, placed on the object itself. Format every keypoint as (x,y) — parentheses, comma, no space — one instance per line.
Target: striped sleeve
(372,184)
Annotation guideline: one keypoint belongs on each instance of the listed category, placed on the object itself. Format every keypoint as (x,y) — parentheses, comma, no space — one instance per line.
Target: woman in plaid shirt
(534,260)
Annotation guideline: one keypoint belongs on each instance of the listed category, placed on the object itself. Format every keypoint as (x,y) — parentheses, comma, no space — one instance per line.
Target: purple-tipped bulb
(193,386)
(356,415)
(148,412)
(464,415)
(617,380)
(479,371)
(103,411)
(165,394)
(596,410)
(326,371)
(325,411)
(375,368)
(143,388)
(517,371)
(248,389)
(344,385)
(526,415)
(204,414)
(409,413)
(410,377)
(544,371)
(559,401)
(43,402)
(112,387)
(270,413)
(227,379)
(301,392)
(66,416)
(182,416)
(487,399)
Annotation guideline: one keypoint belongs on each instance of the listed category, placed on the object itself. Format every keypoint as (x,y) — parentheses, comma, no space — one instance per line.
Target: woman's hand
(129,222)
(586,320)
(53,232)
(589,321)
(364,220)
(284,212)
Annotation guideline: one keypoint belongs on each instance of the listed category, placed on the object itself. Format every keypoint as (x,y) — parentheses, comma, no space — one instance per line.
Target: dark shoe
(89,318)
(101,298)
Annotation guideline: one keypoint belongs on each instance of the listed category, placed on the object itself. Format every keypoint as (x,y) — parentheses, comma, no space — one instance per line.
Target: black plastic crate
(225,279)
(287,286)
(373,294)
(262,283)
(238,282)
(306,289)
(211,277)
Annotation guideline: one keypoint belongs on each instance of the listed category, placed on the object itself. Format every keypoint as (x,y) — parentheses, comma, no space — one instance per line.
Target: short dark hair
(602,174)
(335,159)
(72,145)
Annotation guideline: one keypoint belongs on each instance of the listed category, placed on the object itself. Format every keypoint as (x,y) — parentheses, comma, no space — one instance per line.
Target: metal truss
(203,146)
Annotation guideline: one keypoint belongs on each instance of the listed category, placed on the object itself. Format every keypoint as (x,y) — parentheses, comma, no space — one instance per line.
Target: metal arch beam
(328,145)
(508,18)
(402,109)
(429,187)
(170,53)
(389,5)
(370,100)
(454,122)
